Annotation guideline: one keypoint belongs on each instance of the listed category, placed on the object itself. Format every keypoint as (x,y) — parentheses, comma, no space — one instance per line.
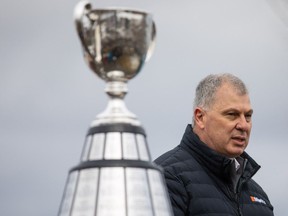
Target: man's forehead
(229,98)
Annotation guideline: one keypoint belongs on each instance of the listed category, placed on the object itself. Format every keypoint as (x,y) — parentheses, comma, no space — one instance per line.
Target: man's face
(227,124)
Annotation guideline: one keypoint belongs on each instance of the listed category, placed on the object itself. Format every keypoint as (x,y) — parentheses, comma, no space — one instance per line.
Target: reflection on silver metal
(115,176)
(115,146)
(115,191)
(116,44)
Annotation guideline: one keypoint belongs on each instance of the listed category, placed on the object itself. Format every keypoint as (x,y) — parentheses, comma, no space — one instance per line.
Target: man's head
(222,114)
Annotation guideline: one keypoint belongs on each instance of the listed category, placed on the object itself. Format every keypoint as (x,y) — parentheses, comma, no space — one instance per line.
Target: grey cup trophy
(115,176)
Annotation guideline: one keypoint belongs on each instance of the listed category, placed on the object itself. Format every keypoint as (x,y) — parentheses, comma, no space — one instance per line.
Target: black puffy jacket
(200,182)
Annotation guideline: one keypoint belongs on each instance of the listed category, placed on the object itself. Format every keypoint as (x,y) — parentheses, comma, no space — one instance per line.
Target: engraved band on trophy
(115,176)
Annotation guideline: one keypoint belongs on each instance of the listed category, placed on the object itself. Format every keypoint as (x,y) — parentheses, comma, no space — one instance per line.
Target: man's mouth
(239,139)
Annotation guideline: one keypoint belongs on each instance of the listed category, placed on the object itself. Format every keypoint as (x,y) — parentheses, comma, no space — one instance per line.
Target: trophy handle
(153,42)
(81,9)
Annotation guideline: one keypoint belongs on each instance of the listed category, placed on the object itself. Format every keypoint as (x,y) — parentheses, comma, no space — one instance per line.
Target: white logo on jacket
(256,199)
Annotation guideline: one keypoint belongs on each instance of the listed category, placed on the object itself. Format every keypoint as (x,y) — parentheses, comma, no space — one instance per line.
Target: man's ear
(199,116)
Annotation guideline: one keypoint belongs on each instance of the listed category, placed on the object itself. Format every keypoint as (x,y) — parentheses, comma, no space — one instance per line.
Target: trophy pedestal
(116,112)
(115,176)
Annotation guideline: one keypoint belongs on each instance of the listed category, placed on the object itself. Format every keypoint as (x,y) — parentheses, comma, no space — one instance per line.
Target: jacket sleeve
(177,193)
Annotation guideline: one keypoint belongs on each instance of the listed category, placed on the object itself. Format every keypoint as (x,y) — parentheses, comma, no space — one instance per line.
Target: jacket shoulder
(177,160)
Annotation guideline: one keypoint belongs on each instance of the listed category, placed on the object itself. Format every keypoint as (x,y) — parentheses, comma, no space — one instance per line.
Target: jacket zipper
(238,204)
(238,189)
(234,196)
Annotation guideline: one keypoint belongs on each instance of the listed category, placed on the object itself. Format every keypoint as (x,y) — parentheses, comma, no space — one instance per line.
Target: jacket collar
(213,161)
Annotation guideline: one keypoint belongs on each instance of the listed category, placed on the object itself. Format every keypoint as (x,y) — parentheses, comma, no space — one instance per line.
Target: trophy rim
(123,9)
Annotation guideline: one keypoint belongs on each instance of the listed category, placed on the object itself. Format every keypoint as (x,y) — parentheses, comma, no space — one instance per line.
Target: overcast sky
(48,96)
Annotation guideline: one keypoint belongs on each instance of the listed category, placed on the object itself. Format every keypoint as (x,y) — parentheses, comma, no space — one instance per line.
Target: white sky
(48,96)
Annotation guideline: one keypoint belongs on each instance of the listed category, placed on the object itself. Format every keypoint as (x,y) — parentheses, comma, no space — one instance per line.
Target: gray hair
(207,87)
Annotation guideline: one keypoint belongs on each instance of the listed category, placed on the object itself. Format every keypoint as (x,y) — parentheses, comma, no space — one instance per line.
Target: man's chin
(236,153)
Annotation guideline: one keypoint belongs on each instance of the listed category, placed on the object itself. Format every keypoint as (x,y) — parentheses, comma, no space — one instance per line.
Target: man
(209,173)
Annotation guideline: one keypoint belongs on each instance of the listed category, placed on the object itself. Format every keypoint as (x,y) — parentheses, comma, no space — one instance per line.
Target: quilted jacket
(201,182)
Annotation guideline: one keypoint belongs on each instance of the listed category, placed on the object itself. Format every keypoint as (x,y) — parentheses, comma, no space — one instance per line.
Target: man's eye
(248,117)
(231,114)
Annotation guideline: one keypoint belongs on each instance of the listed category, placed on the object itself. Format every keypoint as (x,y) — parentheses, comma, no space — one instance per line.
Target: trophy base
(116,176)
(116,112)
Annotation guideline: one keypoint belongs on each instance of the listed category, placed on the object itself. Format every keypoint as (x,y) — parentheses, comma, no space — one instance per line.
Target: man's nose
(243,124)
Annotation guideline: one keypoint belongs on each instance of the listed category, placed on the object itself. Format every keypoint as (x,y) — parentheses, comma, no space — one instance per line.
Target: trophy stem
(116,110)
(116,89)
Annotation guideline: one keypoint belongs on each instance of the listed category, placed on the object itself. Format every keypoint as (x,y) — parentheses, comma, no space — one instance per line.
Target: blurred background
(49,97)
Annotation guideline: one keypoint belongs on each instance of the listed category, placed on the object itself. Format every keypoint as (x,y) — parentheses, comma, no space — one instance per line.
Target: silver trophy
(115,176)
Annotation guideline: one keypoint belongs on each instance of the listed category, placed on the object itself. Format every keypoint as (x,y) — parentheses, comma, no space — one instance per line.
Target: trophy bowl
(116,42)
